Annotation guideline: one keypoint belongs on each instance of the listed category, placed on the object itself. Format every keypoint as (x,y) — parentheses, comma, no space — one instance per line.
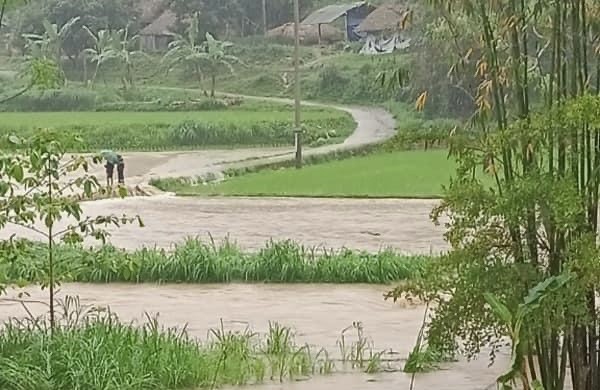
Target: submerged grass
(195,261)
(101,353)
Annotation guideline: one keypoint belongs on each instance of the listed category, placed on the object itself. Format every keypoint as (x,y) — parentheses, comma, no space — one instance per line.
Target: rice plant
(195,261)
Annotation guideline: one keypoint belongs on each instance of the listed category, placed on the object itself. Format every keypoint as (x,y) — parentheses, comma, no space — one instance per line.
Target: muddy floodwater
(318,313)
(333,223)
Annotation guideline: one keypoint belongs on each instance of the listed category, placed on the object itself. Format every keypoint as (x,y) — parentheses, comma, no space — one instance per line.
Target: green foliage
(516,325)
(209,57)
(350,86)
(36,193)
(124,50)
(407,174)
(424,358)
(523,243)
(423,134)
(52,100)
(198,262)
(158,105)
(164,131)
(99,352)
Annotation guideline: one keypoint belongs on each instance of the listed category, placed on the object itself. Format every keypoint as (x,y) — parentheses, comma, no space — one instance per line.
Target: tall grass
(197,262)
(99,352)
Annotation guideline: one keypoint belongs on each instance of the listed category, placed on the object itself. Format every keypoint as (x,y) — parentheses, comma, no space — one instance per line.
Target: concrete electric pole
(264,13)
(297,119)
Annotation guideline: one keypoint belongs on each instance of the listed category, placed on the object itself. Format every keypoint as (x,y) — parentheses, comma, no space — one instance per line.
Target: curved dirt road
(374,125)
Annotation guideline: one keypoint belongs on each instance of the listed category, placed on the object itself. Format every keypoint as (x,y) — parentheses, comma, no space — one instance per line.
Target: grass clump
(425,358)
(197,262)
(99,352)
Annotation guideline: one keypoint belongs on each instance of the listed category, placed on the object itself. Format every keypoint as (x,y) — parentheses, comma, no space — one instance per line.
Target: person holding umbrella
(113,159)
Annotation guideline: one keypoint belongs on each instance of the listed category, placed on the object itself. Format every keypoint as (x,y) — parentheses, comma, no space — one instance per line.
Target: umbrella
(110,156)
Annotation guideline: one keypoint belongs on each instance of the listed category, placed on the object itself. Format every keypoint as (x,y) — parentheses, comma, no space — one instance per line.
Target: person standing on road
(121,170)
(112,159)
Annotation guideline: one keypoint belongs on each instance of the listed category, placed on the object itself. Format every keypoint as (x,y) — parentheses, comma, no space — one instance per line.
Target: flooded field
(318,313)
(332,223)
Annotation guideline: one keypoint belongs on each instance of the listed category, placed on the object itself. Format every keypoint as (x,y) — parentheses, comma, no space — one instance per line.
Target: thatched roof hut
(158,34)
(309,34)
(390,17)
(163,25)
(150,10)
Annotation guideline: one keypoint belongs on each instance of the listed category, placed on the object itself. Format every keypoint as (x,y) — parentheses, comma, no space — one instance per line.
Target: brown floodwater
(364,224)
(318,314)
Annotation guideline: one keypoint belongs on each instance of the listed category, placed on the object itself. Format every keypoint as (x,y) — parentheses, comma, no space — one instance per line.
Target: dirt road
(373,125)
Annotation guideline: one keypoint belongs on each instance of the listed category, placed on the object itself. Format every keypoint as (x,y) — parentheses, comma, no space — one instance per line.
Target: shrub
(158,105)
(52,100)
(422,134)
(331,82)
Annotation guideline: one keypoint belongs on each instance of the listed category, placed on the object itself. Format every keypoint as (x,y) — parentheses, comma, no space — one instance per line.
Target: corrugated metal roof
(330,13)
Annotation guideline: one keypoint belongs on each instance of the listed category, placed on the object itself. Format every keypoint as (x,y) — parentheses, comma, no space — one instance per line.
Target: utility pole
(297,121)
(264,13)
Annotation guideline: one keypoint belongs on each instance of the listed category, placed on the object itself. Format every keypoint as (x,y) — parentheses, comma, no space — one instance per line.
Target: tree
(209,57)
(39,185)
(187,51)
(102,50)
(523,207)
(6,6)
(124,50)
(109,15)
(51,43)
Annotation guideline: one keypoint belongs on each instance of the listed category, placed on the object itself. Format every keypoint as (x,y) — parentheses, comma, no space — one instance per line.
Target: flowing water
(318,313)
(332,223)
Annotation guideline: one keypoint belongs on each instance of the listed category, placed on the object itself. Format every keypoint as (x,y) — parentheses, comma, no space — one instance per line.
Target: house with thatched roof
(157,35)
(389,18)
(149,10)
(309,34)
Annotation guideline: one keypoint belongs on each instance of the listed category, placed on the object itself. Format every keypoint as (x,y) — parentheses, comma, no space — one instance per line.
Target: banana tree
(53,38)
(215,59)
(186,50)
(209,57)
(123,50)
(515,323)
(102,50)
